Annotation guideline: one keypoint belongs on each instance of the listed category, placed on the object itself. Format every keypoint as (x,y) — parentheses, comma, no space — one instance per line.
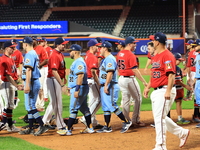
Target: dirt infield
(135,139)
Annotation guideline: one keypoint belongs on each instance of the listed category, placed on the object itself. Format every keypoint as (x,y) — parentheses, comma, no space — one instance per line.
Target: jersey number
(192,61)
(156,74)
(71,79)
(121,64)
(103,76)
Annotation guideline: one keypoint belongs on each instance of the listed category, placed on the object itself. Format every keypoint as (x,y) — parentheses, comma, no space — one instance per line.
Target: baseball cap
(92,42)
(9,44)
(151,37)
(60,40)
(106,44)
(130,39)
(189,42)
(120,42)
(197,41)
(160,37)
(14,41)
(27,39)
(178,56)
(75,47)
(99,40)
(42,39)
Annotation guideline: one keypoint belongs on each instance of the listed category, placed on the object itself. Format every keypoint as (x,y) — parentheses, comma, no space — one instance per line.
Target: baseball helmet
(178,56)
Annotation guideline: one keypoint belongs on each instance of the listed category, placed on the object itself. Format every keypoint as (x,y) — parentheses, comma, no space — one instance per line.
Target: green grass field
(146,103)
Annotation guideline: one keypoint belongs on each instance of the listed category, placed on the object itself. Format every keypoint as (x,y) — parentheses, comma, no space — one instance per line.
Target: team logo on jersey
(80,67)
(109,65)
(27,60)
(14,57)
(155,65)
(121,55)
(168,66)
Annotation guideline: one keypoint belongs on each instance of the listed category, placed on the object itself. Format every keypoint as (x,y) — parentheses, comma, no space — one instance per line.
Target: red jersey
(42,53)
(49,51)
(56,61)
(191,58)
(126,61)
(7,67)
(17,57)
(162,64)
(91,62)
(98,54)
(149,55)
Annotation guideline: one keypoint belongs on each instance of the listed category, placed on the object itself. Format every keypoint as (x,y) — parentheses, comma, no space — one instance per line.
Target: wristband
(77,87)
(62,85)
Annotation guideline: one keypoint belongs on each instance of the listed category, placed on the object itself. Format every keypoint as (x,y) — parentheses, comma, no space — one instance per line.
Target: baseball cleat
(198,125)
(125,126)
(184,138)
(152,125)
(87,130)
(138,124)
(69,132)
(195,119)
(62,131)
(105,129)
(27,131)
(12,128)
(41,130)
(98,126)
(2,126)
(183,121)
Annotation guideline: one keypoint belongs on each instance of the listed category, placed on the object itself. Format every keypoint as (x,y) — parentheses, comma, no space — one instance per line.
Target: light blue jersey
(108,64)
(77,67)
(31,60)
(197,65)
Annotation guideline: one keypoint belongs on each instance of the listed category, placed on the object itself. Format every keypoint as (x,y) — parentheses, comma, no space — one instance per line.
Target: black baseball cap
(27,39)
(130,39)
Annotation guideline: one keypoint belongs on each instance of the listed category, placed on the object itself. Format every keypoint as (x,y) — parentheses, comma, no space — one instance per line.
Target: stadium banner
(175,45)
(36,27)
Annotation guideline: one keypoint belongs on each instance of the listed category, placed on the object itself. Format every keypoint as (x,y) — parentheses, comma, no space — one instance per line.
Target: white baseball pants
(8,94)
(43,83)
(55,105)
(160,109)
(94,102)
(130,88)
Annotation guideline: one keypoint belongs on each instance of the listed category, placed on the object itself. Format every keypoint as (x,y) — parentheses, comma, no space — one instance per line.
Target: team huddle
(93,83)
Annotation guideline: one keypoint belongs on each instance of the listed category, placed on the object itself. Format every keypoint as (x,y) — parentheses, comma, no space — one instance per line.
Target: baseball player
(128,70)
(191,76)
(120,44)
(162,80)
(190,47)
(31,75)
(44,70)
(18,59)
(56,81)
(197,77)
(78,85)
(109,89)
(8,76)
(43,61)
(179,89)
(94,102)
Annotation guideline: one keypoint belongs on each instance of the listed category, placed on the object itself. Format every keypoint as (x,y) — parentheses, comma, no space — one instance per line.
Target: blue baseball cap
(130,39)
(34,37)
(160,37)
(75,47)
(178,56)
(92,42)
(189,42)
(99,40)
(120,42)
(27,39)
(106,44)
(60,40)
(9,44)
(198,41)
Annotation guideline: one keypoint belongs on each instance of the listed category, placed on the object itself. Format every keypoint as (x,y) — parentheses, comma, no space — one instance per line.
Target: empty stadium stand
(146,18)
(103,20)
(22,13)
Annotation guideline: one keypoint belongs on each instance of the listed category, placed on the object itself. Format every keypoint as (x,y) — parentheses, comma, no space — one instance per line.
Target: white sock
(180,117)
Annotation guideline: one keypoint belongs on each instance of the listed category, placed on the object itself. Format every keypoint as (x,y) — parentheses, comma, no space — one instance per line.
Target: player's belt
(112,83)
(162,86)
(127,76)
